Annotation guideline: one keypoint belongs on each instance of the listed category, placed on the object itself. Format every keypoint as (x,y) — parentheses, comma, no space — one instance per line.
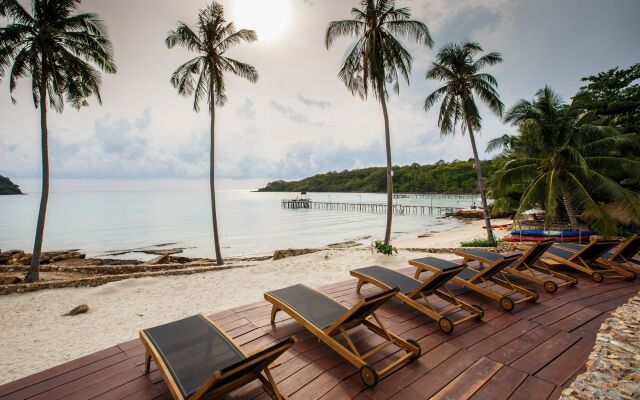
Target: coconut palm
(59,50)
(560,164)
(378,59)
(203,76)
(456,64)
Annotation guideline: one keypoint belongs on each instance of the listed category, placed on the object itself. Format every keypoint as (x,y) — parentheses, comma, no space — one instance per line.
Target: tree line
(441,177)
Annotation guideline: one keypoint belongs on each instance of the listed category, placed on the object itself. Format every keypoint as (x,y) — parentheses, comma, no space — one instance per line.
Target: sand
(35,336)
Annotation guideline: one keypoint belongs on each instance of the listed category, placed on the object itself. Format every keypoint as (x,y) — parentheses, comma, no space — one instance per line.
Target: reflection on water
(100,216)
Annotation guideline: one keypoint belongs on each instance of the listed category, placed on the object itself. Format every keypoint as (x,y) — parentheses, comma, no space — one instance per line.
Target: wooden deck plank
(529,353)
(501,385)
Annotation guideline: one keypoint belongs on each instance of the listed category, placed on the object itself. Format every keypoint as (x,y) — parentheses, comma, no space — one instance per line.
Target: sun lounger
(584,260)
(526,266)
(618,259)
(326,318)
(480,280)
(197,359)
(412,290)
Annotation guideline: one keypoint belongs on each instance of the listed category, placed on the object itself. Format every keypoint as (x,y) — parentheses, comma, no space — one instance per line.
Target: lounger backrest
(254,363)
(438,280)
(535,252)
(363,309)
(595,249)
(497,267)
(629,248)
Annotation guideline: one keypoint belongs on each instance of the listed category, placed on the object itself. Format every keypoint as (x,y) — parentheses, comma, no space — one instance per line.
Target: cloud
(145,120)
(117,136)
(247,111)
(290,113)
(314,103)
(468,21)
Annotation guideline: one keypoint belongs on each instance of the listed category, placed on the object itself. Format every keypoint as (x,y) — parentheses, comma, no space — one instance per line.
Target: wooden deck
(530,353)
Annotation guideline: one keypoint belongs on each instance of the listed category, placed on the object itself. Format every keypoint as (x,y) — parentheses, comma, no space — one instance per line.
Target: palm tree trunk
(570,211)
(483,194)
(34,270)
(387,139)
(214,216)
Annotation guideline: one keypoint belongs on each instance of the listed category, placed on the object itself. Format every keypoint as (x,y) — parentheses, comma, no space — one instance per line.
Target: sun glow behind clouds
(269,18)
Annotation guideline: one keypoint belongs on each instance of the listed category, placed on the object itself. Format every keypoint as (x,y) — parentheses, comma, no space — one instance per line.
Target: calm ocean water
(98,216)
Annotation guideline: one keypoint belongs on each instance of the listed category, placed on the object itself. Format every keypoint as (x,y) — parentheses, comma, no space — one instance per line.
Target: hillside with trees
(441,177)
(8,187)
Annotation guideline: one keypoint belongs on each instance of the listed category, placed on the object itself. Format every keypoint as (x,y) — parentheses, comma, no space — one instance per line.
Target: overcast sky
(299,119)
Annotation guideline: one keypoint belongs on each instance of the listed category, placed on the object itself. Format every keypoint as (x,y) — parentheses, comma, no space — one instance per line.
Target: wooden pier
(464,196)
(400,209)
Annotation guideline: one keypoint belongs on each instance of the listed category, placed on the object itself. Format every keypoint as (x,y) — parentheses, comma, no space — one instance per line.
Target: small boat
(498,226)
(535,232)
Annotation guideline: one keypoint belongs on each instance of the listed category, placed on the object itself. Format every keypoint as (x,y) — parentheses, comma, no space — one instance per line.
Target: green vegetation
(384,248)
(480,242)
(8,187)
(211,39)
(564,162)
(377,59)
(58,48)
(442,177)
(457,66)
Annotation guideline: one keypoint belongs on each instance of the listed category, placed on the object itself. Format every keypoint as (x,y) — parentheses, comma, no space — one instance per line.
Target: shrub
(481,242)
(385,248)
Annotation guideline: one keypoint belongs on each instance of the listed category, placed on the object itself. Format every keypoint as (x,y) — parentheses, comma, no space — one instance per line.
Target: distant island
(8,187)
(441,177)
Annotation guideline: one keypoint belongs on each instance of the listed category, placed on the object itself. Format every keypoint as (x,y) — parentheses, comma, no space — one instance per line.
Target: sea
(118,218)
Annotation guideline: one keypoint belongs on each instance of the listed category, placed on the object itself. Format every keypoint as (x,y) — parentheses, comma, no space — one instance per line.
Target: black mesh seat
(198,360)
(442,265)
(560,252)
(312,305)
(390,278)
(192,349)
(487,255)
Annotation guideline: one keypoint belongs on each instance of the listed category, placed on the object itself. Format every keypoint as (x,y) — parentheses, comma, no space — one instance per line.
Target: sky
(299,119)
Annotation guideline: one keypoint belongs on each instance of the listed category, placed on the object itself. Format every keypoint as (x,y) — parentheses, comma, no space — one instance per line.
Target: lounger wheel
(369,375)
(550,286)
(480,309)
(445,324)
(415,343)
(507,304)
(536,295)
(597,277)
(574,281)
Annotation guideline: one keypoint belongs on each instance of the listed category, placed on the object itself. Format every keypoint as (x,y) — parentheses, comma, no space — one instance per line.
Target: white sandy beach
(35,336)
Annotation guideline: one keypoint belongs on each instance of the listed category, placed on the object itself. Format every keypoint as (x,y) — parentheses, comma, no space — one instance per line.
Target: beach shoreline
(36,336)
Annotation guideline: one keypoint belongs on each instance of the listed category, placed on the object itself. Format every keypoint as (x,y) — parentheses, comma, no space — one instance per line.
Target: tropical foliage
(203,76)
(378,59)
(563,164)
(442,177)
(460,66)
(62,52)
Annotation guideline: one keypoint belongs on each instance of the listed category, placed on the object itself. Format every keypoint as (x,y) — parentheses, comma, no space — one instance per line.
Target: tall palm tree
(377,59)
(557,162)
(59,49)
(456,64)
(203,76)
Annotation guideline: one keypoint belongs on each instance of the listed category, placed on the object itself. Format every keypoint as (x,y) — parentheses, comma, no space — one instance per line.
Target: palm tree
(56,48)
(558,162)
(203,76)
(456,64)
(377,59)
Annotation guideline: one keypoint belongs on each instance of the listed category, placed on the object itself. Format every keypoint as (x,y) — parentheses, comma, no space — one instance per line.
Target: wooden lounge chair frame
(248,370)
(621,257)
(527,267)
(597,270)
(362,313)
(479,281)
(439,315)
